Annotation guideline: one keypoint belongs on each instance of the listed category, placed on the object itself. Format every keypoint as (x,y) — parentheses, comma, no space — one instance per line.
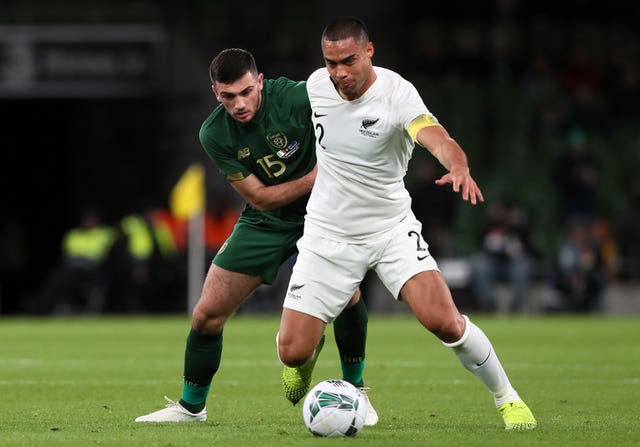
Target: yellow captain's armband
(419,123)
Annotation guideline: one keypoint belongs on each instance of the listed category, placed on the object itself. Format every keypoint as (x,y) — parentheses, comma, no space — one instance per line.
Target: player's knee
(291,359)
(292,354)
(449,329)
(206,322)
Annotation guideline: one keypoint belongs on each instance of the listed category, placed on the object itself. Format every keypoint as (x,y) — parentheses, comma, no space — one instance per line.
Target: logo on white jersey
(364,129)
(368,123)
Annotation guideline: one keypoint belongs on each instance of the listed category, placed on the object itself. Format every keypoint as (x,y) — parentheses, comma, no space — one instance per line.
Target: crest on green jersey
(280,141)
(277,140)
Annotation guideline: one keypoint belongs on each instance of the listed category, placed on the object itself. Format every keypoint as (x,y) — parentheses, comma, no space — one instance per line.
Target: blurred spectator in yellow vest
(78,283)
(146,265)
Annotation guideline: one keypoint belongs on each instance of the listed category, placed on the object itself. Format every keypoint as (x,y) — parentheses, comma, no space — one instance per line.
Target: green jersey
(278,146)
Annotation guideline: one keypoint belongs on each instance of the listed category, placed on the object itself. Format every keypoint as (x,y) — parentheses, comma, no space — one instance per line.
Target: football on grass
(334,408)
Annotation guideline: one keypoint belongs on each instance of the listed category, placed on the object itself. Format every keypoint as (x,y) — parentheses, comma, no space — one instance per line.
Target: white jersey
(363,151)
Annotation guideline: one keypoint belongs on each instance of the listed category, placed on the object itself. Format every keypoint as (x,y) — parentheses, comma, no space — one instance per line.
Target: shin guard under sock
(475,352)
(350,332)
(201,362)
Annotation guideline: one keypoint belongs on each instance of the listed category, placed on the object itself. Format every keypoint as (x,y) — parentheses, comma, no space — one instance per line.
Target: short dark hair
(344,27)
(230,65)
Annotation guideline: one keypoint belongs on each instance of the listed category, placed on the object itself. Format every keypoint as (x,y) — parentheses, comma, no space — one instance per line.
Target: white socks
(476,354)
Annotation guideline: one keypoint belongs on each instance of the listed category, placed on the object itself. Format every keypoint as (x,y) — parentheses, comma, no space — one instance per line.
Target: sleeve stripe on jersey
(235,176)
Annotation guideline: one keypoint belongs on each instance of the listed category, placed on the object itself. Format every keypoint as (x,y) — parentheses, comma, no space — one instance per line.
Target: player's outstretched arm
(449,153)
(265,198)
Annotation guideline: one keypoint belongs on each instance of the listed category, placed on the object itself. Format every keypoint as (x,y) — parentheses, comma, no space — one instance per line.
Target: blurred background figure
(78,283)
(14,259)
(132,258)
(147,268)
(576,176)
(580,276)
(506,256)
(608,246)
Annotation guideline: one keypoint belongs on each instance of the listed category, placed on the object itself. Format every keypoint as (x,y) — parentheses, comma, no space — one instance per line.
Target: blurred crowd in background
(543,97)
(135,265)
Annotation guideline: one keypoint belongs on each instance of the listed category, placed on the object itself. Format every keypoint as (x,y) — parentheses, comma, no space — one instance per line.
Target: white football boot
(173,412)
(372,415)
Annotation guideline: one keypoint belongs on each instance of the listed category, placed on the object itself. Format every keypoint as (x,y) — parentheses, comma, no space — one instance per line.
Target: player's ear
(213,89)
(370,50)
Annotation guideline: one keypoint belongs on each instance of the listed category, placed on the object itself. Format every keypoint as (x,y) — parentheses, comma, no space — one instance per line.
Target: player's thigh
(224,291)
(431,302)
(429,297)
(325,277)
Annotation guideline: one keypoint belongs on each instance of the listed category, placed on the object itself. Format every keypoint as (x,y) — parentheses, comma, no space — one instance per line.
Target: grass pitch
(82,381)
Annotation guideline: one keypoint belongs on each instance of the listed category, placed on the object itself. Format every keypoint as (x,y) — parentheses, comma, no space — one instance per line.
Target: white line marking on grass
(48,382)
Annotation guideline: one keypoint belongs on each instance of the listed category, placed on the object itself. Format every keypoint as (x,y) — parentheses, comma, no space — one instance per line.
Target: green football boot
(296,381)
(517,416)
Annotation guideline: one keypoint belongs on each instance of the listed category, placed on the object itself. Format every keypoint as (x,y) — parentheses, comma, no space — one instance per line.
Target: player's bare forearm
(266,198)
(446,150)
(459,176)
(449,153)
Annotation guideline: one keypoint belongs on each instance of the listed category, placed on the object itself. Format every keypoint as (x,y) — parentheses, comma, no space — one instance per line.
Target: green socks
(350,332)
(204,351)
(201,362)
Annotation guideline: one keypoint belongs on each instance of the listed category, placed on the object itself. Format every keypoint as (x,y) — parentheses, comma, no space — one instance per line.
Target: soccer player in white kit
(367,120)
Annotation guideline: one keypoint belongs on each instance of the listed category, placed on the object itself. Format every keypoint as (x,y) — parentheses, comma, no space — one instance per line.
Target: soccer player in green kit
(262,140)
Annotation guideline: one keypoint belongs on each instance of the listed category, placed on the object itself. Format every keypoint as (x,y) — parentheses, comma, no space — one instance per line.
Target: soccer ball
(334,408)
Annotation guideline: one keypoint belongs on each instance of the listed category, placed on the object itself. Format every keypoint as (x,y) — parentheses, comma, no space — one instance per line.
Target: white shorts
(327,273)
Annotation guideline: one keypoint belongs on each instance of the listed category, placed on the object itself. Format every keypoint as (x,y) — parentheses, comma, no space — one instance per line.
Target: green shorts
(258,249)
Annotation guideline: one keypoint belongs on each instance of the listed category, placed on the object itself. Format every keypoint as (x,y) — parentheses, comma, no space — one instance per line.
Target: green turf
(82,381)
